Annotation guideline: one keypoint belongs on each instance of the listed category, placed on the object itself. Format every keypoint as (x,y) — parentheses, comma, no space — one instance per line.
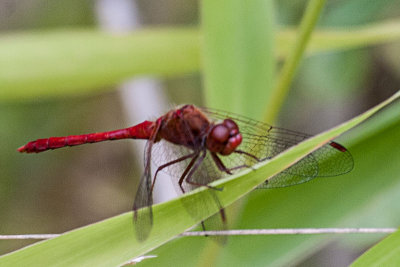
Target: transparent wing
(265,142)
(142,206)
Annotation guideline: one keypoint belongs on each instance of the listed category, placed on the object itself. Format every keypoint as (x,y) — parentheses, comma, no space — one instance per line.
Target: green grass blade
(335,39)
(71,62)
(386,253)
(113,242)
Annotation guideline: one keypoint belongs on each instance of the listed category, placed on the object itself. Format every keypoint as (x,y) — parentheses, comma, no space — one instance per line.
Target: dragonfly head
(224,137)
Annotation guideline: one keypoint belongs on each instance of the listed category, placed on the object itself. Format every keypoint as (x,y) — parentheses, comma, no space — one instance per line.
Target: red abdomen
(140,131)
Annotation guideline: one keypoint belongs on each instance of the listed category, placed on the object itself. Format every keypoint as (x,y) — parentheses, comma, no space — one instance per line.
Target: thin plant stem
(297,231)
(282,231)
(288,71)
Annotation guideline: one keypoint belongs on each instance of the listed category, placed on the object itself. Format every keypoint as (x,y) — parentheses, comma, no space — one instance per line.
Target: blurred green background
(60,190)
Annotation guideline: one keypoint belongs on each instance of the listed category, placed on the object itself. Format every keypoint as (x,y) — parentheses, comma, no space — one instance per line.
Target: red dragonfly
(198,146)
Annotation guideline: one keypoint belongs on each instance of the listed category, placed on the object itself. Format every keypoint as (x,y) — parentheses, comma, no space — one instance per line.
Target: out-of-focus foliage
(386,253)
(81,62)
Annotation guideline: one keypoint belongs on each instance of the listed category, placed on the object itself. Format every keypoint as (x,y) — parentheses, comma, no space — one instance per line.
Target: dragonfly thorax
(187,126)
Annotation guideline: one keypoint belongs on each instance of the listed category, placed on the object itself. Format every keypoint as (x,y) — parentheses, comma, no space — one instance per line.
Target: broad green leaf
(113,242)
(70,62)
(386,253)
(238,63)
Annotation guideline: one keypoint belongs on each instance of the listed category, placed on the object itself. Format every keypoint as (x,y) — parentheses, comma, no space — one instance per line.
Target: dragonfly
(197,146)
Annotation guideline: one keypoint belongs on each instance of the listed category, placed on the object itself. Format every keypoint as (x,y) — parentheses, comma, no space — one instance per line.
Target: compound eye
(231,125)
(220,133)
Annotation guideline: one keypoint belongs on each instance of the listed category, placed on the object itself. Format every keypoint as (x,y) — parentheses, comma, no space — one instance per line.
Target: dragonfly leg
(247,154)
(223,215)
(169,164)
(222,167)
(219,163)
(195,156)
(194,168)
